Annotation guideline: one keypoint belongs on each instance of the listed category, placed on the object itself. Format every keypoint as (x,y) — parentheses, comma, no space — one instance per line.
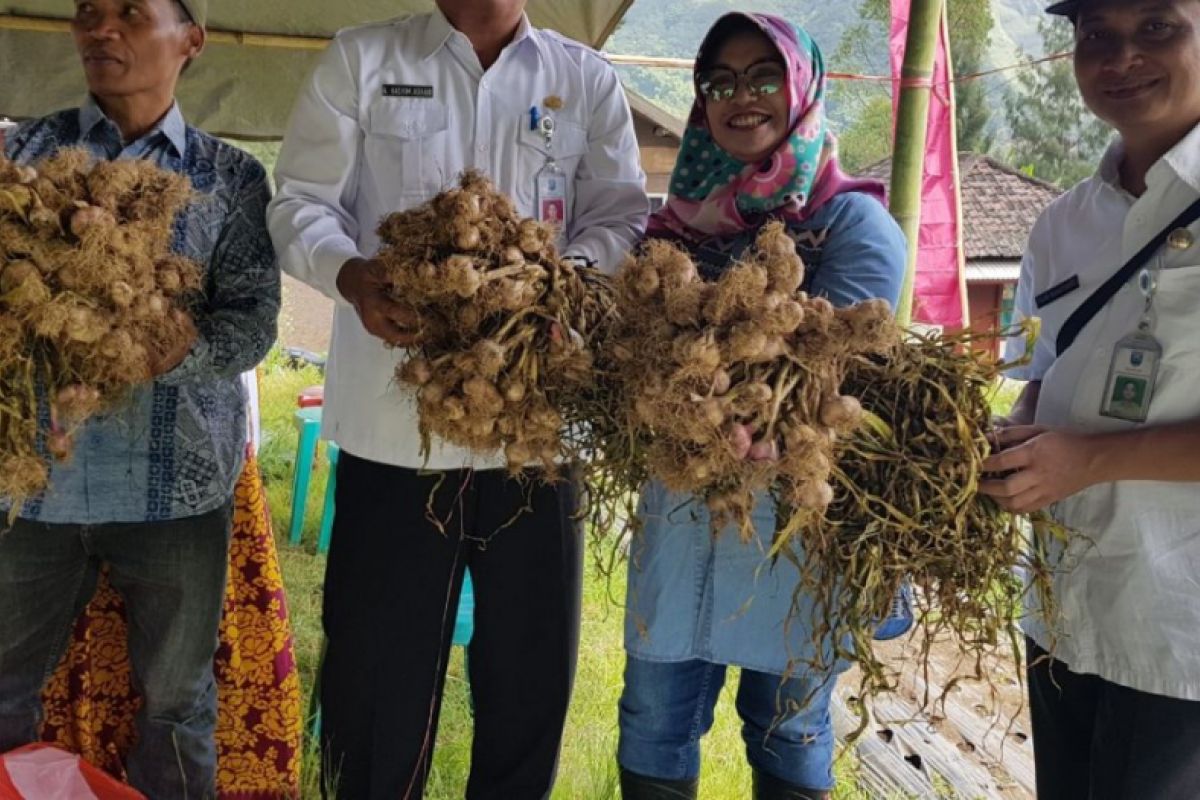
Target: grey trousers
(172,578)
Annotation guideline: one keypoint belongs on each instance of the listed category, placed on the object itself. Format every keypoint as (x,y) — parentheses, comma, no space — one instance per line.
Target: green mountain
(1015,36)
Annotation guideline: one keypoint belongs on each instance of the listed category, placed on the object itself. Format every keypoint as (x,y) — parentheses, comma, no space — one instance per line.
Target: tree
(1054,136)
(970,24)
(972,114)
(869,139)
(863,47)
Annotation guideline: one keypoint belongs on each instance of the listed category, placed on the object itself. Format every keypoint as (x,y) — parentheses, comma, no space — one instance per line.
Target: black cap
(1067,8)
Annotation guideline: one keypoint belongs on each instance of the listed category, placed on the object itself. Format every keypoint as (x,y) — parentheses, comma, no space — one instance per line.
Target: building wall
(658,155)
(990,308)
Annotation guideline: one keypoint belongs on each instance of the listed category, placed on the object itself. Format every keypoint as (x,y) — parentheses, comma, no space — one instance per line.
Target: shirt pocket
(570,146)
(1178,289)
(404,142)
(1167,563)
(1177,329)
(1084,514)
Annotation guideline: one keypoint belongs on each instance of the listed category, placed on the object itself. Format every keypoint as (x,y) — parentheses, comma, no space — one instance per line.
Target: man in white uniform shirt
(391,116)
(1114,677)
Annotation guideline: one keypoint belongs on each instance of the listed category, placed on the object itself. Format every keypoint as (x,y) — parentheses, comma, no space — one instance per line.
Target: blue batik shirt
(691,596)
(175,448)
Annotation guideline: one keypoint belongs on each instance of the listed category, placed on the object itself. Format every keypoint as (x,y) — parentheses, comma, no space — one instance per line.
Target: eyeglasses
(720,84)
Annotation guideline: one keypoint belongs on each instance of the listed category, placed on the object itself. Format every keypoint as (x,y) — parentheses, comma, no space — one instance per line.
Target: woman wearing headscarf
(757,149)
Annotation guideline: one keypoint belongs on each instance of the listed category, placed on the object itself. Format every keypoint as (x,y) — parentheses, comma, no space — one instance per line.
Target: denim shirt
(692,596)
(174,447)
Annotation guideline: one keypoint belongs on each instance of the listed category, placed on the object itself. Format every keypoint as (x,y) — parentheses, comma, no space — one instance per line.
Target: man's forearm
(1156,453)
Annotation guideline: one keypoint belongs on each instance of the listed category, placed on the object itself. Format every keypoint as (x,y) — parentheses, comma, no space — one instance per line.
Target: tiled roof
(1000,205)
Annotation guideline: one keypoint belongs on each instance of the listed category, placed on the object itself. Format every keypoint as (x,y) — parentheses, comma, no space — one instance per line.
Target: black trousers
(1097,740)
(401,540)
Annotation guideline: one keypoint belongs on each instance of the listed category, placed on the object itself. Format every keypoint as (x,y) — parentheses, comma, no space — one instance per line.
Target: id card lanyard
(550,193)
(1134,368)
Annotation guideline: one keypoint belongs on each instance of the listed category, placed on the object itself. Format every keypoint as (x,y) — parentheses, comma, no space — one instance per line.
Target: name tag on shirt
(407,90)
(1057,292)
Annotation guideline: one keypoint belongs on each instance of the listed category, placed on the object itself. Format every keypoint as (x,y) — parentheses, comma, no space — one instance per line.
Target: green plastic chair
(308,427)
(332,451)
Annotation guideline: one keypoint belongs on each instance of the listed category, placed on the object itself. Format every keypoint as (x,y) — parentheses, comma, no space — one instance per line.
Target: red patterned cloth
(90,703)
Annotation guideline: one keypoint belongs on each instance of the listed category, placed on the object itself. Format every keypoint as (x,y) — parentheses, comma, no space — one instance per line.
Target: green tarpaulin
(234,89)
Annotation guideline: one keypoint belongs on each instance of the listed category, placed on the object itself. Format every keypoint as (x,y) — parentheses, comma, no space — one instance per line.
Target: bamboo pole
(912,125)
(653,62)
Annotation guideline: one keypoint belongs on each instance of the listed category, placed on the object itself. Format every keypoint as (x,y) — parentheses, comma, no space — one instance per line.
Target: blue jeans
(668,706)
(172,578)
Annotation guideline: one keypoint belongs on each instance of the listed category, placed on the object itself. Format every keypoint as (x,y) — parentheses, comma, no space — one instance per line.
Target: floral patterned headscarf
(714,194)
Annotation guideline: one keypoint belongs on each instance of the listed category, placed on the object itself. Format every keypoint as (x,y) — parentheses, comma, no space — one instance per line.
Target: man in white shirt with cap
(1106,434)
(391,116)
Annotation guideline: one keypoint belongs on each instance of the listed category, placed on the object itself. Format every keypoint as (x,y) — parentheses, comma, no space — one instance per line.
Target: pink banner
(940,292)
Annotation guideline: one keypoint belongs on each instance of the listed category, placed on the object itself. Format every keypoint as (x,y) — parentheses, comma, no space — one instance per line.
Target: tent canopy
(259,51)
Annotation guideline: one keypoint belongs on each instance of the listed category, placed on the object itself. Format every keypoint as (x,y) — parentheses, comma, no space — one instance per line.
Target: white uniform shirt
(393,113)
(1129,585)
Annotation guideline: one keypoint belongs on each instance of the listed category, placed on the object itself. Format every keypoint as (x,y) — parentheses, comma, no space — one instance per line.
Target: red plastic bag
(44,772)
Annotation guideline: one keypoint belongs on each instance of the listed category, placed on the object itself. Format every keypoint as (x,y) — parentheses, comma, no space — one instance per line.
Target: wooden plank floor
(974,745)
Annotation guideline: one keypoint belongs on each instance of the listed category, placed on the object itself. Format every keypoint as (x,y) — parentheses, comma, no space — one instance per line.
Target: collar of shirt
(1181,162)
(1184,159)
(96,127)
(440,33)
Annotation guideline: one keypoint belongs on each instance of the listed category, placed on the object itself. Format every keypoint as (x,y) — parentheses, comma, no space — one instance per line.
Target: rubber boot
(639,787)
(768,787)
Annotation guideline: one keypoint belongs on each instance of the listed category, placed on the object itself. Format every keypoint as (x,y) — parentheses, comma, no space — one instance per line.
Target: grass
(1006,394)
(588,769)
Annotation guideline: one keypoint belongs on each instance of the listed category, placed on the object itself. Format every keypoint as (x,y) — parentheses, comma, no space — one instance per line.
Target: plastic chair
(464,622)
(308,426)
(331,451)
(311,396)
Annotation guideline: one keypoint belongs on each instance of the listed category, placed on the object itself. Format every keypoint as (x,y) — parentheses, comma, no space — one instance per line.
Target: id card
(1130,384)
(552,194)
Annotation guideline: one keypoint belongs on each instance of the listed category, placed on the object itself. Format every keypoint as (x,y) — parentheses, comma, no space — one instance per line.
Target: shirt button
(483,148)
